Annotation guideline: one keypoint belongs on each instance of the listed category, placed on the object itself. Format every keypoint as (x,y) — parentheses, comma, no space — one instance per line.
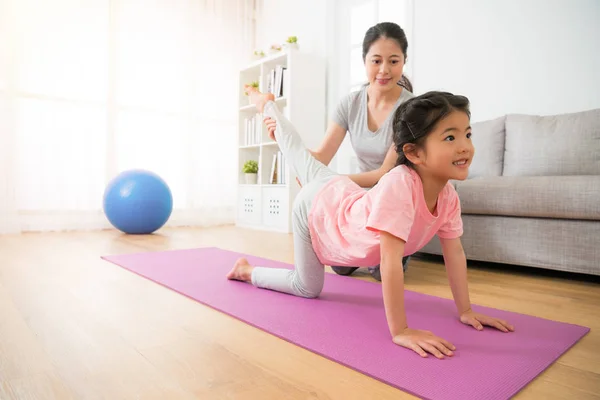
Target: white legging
(306,279)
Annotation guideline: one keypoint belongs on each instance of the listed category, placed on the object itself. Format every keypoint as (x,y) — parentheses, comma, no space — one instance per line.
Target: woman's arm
(370,178)
(334,136)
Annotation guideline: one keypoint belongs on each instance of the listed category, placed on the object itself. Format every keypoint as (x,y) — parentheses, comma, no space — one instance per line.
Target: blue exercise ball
(137,202)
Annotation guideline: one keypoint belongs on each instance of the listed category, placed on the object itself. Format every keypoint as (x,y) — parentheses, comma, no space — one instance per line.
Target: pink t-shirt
(345,219)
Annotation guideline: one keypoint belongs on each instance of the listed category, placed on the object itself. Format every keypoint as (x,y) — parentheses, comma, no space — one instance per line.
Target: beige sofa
(533,193)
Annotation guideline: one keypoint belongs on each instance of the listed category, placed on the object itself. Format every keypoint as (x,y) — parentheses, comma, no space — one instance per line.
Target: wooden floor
(75,327)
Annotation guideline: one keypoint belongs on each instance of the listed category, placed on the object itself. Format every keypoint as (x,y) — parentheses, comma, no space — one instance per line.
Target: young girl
(336,222)
(365,115)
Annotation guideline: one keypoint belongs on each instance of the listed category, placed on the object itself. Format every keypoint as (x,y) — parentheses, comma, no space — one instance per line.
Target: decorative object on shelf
(258,54)
(251,171)
(291,42)
(274,48)
(253,84)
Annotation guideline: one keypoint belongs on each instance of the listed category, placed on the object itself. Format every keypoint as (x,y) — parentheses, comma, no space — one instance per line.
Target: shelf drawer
(275,205)
(249,204)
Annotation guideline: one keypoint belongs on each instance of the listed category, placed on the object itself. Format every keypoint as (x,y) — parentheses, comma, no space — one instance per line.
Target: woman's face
(384,64)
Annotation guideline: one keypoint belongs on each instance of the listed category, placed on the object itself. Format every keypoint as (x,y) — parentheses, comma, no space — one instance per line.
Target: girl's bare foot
(241,271)
(257,98)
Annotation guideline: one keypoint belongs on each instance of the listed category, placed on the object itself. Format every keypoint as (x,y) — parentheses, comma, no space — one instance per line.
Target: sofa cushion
(488,139)
(570,197)
(566,144)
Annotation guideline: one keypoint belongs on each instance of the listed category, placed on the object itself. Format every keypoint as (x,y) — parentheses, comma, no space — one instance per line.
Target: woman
(367,114)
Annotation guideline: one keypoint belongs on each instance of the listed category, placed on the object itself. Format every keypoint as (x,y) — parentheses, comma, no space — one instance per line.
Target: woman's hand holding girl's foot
(271,126)
(257,98)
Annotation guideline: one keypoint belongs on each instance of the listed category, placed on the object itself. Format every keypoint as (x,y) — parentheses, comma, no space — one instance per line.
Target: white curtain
(90,88)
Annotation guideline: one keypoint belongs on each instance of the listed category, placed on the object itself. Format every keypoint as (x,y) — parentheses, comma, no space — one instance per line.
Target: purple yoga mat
(347,324)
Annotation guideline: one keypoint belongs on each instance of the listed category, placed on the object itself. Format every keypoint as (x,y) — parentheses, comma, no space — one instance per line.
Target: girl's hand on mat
(423,342)
(477,321)
(271,125)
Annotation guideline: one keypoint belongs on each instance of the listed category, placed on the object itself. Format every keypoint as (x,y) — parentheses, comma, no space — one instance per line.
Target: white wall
(510,56)
(282,18)
(312,22)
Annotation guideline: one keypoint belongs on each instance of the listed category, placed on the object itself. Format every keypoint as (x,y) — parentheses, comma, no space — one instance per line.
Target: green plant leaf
(250,167)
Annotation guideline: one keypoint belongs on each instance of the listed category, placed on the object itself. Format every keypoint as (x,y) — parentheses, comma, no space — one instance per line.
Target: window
(89,89)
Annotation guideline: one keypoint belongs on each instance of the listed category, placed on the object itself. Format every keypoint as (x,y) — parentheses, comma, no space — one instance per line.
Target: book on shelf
(279,169)
(277,83)
(273,177)
(253,130)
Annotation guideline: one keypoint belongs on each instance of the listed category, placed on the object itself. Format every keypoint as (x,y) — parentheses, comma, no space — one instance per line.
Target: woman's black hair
(417,117)
(405,83)
(389,30)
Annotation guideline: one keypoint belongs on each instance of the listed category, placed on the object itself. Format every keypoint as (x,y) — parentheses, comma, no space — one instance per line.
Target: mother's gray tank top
(370,147)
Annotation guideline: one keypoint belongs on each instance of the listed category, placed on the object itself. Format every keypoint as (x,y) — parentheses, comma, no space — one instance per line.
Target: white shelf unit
(265,205)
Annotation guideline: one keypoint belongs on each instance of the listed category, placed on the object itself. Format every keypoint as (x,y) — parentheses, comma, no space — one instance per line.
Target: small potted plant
(258,54)
(251,171)
(253,84)
(291,42)
(274,48)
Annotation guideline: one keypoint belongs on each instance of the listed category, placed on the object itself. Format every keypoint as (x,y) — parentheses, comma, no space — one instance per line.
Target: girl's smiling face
(448,150)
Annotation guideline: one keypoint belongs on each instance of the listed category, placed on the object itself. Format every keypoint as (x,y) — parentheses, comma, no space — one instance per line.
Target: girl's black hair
(389,30)
(417,117)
